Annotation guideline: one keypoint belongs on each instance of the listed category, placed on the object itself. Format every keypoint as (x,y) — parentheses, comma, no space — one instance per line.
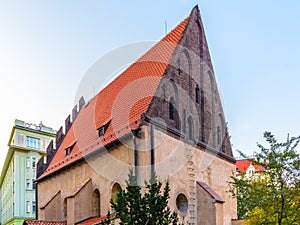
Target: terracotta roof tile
(92,221)
(243,165)
(136,87)
(44,222)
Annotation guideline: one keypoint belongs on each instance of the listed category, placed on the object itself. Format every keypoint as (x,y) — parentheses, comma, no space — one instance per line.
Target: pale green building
(27,143)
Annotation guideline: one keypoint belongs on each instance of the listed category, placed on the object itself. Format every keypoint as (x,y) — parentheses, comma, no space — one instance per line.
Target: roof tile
(123,102)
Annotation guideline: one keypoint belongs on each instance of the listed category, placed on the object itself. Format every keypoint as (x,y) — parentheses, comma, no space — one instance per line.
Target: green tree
(272,197)
(131,207)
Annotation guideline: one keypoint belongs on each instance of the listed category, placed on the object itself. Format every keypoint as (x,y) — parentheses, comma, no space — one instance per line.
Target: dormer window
(102,130)
(69,149)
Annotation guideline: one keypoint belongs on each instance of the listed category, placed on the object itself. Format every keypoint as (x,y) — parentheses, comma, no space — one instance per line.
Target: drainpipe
(135,155)
(36,200)
(152,150)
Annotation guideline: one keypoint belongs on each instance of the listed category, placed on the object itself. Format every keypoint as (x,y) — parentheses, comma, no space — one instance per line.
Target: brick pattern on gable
(191,67)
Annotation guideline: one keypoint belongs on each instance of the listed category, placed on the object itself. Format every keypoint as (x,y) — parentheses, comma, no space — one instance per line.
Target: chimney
(67,124)
(74,113)
(81,103)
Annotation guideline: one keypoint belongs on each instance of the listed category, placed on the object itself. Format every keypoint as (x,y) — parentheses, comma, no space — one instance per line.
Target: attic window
(69,149)
(102,130)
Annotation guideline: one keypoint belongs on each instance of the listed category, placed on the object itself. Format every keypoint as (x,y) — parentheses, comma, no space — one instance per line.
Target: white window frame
(28,206)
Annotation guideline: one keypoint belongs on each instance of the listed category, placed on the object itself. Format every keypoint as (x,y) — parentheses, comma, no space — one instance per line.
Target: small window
(182,203)
(115,189)
(202,103)
(28,206)
(33,184)
(191,128)
(33,162)
(101,131)
(28,162)
(69,149)
(172,109)
(27,184)
(179,67)
(33,207)
(20,139)
(197,94)
(219,135)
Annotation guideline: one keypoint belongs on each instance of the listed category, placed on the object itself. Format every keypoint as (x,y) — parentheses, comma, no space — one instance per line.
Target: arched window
(172,109)
(115,189)
(65,208)
(218,135)
(179,67)
(182,203)
(202,117)
(197,92)
(96,203)
(191,128)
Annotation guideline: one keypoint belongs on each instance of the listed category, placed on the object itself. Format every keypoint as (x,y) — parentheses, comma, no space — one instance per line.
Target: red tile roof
(123,102)
(92,221)
(211,192)
(243,165)
(44,222)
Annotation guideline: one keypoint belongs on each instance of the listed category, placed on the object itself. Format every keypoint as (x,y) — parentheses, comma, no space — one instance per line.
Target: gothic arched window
(197,92)
(172,109)
(219,135)
(191,128)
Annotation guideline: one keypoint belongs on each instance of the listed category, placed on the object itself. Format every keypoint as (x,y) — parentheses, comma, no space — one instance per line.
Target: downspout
(36,200)
(152,150)
(135,155)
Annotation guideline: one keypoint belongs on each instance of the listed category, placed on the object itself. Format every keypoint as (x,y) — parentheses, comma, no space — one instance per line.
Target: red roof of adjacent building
(92,221)
(120,104)
(44,222)
(243,165)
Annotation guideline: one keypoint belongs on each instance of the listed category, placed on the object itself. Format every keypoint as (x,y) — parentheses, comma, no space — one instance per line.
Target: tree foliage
(272,197)
(130,206)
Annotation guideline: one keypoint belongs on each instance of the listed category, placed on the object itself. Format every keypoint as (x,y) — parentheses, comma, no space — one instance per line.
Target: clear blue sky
(47,46)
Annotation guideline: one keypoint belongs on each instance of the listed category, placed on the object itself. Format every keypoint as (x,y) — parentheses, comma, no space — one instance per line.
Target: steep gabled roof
(119,105)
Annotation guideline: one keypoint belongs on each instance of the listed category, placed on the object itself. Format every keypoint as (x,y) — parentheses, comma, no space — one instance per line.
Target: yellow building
(27,143)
